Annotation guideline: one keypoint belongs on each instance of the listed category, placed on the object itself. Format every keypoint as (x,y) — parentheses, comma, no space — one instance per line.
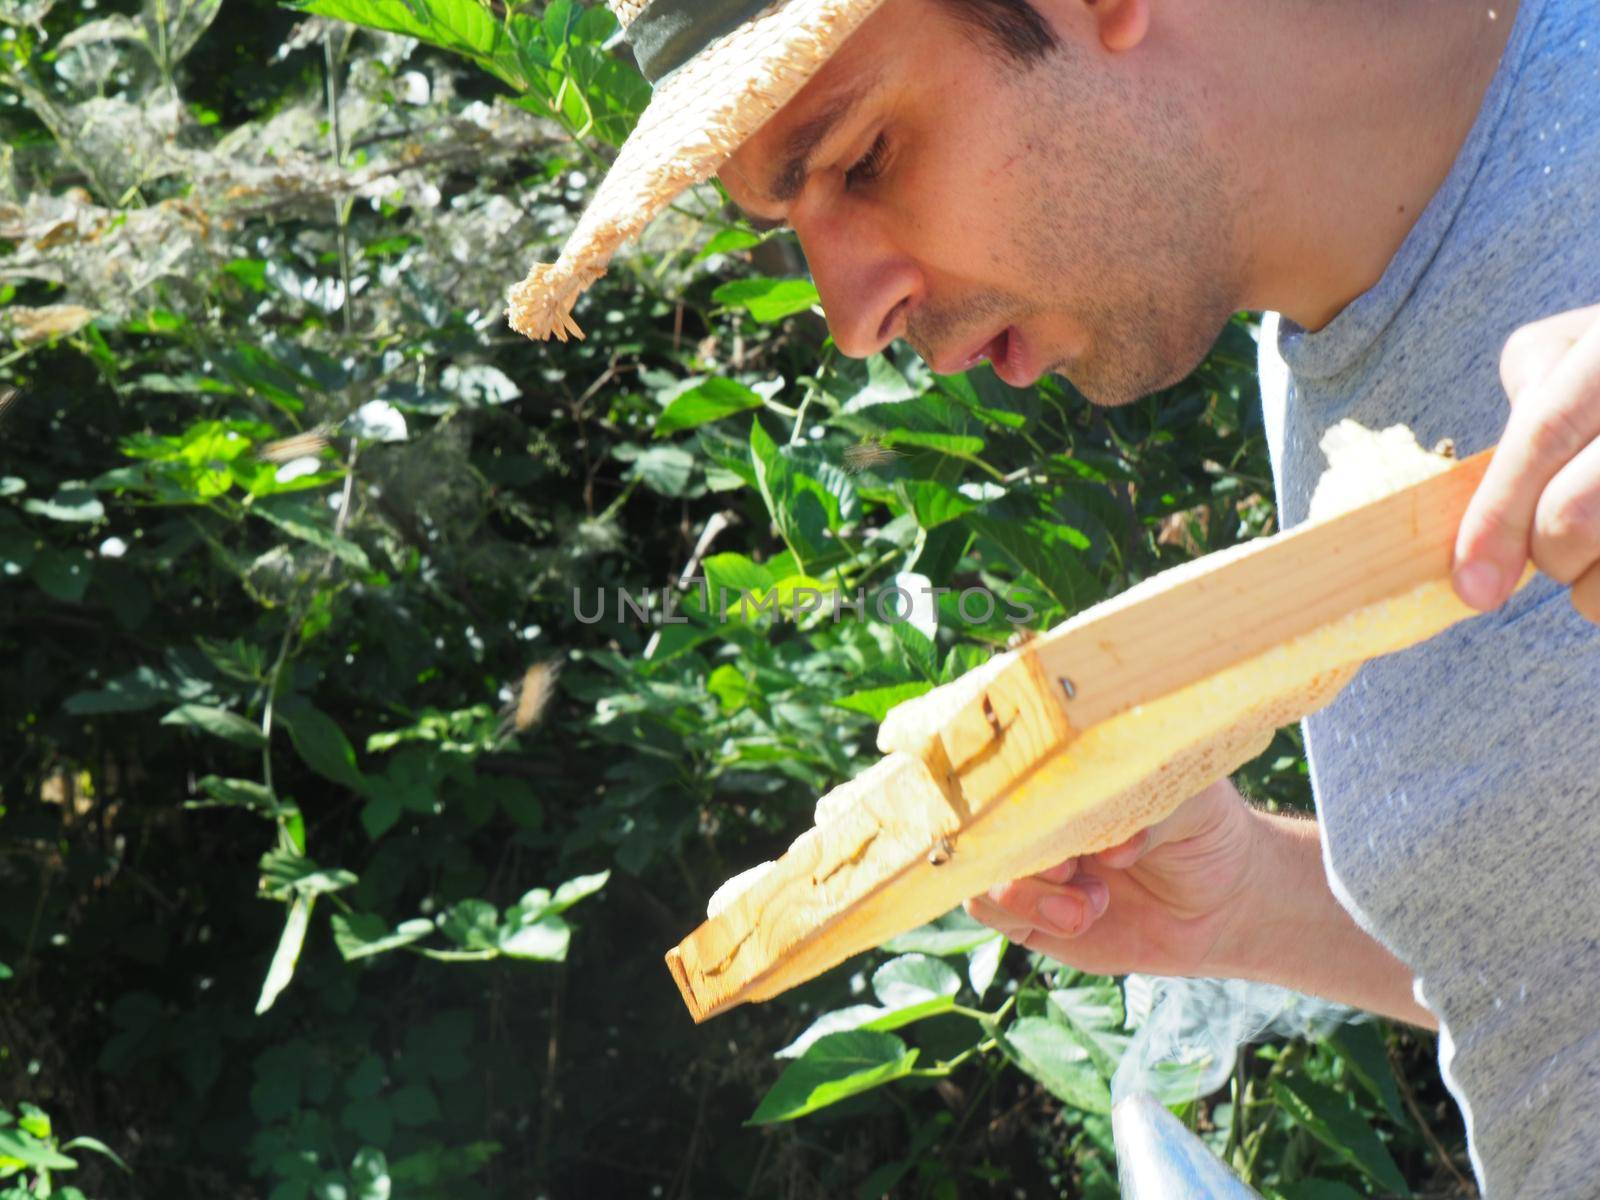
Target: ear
(1122,23)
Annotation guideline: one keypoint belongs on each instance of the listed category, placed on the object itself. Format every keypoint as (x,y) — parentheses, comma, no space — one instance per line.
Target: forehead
(865,64)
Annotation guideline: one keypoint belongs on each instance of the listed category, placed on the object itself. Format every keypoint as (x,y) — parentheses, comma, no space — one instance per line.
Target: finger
(1532,351)
(1566,525)
(1078,906)
(1065,910)
(981,909)
(1551,422)
(1060,873)
(1122,856)
(1586,595)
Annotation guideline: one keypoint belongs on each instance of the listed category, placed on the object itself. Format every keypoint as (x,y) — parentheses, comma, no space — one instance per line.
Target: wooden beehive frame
(1084,735)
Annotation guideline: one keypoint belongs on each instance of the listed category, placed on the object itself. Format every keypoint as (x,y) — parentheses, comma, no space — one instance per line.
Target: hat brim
(698,116)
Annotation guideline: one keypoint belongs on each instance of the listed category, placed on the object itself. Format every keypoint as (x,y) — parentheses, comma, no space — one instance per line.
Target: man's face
(1059,215)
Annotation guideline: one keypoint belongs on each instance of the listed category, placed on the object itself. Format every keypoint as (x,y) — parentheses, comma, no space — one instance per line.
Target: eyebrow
(795,157)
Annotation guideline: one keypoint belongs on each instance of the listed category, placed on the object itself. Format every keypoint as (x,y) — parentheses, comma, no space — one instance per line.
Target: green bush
(341,840)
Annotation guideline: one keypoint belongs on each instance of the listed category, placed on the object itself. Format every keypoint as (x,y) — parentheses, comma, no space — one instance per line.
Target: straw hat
(720,69)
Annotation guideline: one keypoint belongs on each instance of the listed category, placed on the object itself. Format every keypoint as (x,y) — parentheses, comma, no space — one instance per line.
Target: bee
(534,695)
(298,445)
(941,852)
(863,456)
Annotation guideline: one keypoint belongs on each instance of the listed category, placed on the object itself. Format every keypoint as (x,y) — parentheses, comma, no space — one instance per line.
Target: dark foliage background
(338,853)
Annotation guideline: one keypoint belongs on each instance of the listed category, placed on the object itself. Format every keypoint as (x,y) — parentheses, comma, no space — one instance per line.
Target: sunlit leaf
(835,1068)
(287,955)
(768,300)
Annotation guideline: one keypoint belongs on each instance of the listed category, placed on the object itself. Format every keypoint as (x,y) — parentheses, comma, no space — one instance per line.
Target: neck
(1344,119)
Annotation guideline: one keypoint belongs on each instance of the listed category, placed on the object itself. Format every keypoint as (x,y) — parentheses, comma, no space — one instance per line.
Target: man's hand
(1218,889)
(1162,902)
(1541,495)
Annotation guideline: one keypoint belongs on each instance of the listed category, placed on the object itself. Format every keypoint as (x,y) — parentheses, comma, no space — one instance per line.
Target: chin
(1137,371)
(1105,391)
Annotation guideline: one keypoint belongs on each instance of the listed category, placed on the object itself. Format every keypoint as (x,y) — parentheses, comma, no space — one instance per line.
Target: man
(1412,190)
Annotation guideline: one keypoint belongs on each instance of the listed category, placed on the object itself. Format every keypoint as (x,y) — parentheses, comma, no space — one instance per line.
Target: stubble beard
(1147,258)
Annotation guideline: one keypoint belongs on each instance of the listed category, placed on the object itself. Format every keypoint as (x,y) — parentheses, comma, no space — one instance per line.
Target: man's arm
(1291,930)
(1217,889)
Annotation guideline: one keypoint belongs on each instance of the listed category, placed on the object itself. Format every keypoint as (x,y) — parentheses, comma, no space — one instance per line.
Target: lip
(1006,351)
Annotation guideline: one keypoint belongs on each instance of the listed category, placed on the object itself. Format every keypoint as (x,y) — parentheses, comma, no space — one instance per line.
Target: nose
(867,285)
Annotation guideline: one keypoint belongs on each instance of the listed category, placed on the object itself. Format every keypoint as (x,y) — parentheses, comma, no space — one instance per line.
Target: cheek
(963,218)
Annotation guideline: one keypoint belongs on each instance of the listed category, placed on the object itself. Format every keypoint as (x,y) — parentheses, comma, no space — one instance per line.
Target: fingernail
(1063,914)
(1061,872)
(1478,583)
(1099,895)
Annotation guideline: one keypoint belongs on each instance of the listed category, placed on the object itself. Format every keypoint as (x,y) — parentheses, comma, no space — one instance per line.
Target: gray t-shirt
(1458,782)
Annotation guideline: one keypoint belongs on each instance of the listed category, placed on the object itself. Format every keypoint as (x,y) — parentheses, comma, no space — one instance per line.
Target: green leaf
(576,889)
(473,925)
(283,872)
(284,958)
(33,1119)
(369,1119)
(99,1147)
(415,1104)
(913,979)
(876,702)
(68,504)
(369,1171)
(798,512)
(62,574)
(545,940)
(768,300)
(665,470)
(252,272)
(134,692)
(709,401)
(852,1017)
(301,520)
(29,1150)
(1045,1050)
(1362,1048)
(459,26)
(1094,1016)
(732,574)
(885,385)
(379,815)
(932,503)
(954,444)
(1318,1189)
(983,963)
(17,550)
(218,722)
(361,935)
(11,485)
(835,1068)
(953,933)
(732,687)
(1048,552)
(1334,1120)
(917,647)
(323,745)
(239,793)
(728,241)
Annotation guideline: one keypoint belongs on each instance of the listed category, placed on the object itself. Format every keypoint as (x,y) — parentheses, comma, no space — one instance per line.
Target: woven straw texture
(699,115)
(627,10)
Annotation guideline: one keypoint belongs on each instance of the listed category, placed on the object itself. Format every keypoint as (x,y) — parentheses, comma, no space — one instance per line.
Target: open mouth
(1006,352)
(1008,355)
(997,349)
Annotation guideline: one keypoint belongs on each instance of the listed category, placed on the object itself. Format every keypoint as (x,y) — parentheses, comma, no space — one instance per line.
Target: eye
(869,166)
